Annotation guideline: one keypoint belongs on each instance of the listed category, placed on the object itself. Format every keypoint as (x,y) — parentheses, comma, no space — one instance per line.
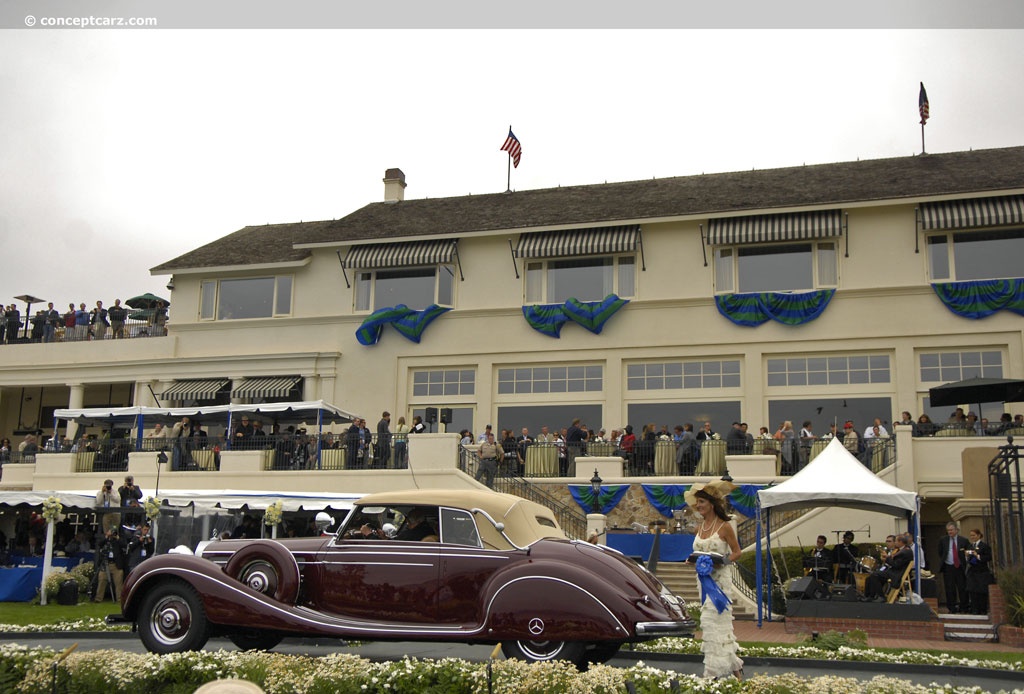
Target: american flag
(922,104)
(513,148)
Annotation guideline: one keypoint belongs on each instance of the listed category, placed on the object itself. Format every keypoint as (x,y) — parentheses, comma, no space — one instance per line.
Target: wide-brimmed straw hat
(717,488)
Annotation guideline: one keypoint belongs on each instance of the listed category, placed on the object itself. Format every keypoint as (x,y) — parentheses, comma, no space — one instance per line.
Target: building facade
(823,293)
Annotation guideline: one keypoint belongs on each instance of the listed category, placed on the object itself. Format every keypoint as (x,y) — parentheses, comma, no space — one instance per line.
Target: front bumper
(653,630)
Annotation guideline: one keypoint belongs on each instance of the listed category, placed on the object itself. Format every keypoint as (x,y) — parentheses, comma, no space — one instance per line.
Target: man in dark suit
(845,554)
(952,563)
(891,571)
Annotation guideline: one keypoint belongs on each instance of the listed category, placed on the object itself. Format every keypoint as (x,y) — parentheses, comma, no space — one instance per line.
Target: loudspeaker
(446,415)
(67,594)
(806,588)
(430,415)
(844,593)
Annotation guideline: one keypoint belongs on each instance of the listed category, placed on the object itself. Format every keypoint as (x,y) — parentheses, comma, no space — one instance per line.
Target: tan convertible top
(525,521)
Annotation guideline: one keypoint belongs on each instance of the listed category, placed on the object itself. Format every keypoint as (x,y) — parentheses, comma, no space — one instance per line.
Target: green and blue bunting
(547,319)
(611,495)
(666,498)
(592,315)
(405,320)
(751,310)
(982,298)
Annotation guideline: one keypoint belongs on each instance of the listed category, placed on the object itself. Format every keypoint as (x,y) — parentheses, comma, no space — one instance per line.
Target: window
(945,367)
(833,370)
(678,375)
(440,382)
(583,279)
(776,267)
(551,379)
(976,255)
(417,288)
(255,297)
(458,528)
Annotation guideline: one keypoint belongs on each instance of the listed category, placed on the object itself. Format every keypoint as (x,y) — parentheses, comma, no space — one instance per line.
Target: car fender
(545,600)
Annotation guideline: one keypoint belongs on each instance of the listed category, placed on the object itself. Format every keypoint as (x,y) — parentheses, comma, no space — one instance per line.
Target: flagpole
(508,184)
(922,138)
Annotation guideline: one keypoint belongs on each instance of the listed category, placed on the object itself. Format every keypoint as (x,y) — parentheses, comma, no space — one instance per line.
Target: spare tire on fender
(267,567)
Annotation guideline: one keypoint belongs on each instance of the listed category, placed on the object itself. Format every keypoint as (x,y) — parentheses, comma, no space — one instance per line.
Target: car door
(380,580)
(466,569)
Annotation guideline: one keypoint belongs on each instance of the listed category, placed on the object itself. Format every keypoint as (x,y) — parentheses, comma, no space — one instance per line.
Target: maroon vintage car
(467,566)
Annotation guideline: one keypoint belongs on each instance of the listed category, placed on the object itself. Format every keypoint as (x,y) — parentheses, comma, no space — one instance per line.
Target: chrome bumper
(684,627)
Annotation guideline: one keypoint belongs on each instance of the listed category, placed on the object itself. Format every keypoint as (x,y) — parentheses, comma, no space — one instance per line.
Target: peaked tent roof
(837,478)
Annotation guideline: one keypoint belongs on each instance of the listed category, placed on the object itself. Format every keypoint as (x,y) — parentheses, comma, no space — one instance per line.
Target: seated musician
(889,549)
(845,555)
(819,564)
(880,581)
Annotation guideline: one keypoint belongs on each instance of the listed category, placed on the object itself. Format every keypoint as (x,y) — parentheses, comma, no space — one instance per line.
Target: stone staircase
(681,579)
(968,627)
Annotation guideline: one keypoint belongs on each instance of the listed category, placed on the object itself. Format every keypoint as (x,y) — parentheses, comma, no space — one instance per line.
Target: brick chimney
(394,185)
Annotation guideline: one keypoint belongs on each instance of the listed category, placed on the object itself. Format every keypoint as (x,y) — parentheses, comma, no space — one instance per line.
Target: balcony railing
(133,327)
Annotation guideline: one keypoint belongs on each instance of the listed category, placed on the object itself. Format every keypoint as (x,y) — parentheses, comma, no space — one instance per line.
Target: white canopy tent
(202,500)
(316,412)
(834,478)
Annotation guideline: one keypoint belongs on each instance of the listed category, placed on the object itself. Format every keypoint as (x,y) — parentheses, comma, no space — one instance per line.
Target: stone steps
(968,627)
(681,579)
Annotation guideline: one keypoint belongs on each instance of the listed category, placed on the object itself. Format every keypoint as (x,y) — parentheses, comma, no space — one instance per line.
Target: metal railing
(140,326)
(508,481)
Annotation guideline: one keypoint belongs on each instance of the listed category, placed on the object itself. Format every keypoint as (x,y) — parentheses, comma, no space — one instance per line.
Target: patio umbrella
(146,300)
(977,390)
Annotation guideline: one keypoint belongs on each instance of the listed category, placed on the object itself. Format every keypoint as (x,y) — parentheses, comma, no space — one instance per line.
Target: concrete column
(905,474)
(310,390)
(597,524)
(75,401)
(235,382)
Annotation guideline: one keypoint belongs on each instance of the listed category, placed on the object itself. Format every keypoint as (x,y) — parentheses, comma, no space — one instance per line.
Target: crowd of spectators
(80,324)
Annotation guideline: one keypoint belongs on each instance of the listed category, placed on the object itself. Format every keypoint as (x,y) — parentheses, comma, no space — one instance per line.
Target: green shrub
(834,640)
(1011,582)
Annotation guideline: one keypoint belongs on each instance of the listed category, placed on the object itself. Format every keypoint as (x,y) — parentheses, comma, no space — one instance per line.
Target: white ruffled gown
(719,640)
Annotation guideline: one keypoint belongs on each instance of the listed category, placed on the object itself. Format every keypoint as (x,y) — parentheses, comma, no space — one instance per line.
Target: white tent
(834,478)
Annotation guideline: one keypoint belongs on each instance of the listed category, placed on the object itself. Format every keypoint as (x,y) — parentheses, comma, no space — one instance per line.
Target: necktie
(956,555)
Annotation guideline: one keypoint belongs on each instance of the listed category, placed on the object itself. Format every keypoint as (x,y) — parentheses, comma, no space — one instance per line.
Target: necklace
(704,529)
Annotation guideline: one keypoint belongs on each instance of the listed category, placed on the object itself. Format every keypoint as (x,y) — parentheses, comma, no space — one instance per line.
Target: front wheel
(172,619)
(542,651)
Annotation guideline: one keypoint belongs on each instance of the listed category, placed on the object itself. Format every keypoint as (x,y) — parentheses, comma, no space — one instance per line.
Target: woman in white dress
(715,534)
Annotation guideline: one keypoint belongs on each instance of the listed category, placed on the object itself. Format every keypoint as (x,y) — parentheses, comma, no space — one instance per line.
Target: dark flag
(512,146)
(922,104)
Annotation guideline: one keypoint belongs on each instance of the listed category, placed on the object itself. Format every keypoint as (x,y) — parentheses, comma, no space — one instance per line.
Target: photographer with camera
(106,498)
(110,565)
(130,496)
(140,546)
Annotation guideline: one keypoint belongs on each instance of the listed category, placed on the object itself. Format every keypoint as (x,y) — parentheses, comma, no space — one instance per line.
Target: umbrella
(977,390)
(144,314)
(146,300)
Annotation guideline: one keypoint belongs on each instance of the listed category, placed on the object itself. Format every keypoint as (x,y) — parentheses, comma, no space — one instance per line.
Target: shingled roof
(958,173)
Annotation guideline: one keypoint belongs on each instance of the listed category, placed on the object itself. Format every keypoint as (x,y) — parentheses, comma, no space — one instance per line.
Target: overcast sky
(120,150)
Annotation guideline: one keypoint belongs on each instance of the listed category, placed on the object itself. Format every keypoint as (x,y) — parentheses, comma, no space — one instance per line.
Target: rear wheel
(172,619)
(542,651)
(254,640)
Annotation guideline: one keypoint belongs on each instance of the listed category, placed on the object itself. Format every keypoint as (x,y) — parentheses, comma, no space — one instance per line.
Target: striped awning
(205,389)
(976,212)
(387,255)
(575,242)
(269,387)
(797,226)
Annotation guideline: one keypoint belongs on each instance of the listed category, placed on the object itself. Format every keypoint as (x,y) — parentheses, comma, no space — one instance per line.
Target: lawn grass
(1002,656)
(22,613)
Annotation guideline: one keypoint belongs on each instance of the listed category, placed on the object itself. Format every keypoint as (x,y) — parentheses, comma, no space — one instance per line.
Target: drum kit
(863,568)
(861,572)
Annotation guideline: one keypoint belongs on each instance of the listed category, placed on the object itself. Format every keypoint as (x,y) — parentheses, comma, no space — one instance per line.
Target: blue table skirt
(20,584)
(672,547)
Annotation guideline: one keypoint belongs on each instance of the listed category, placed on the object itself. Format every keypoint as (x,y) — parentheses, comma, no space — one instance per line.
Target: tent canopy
(283,412)
(837,478)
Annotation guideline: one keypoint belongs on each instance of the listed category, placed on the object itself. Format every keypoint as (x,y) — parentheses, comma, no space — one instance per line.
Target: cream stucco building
(855,274)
